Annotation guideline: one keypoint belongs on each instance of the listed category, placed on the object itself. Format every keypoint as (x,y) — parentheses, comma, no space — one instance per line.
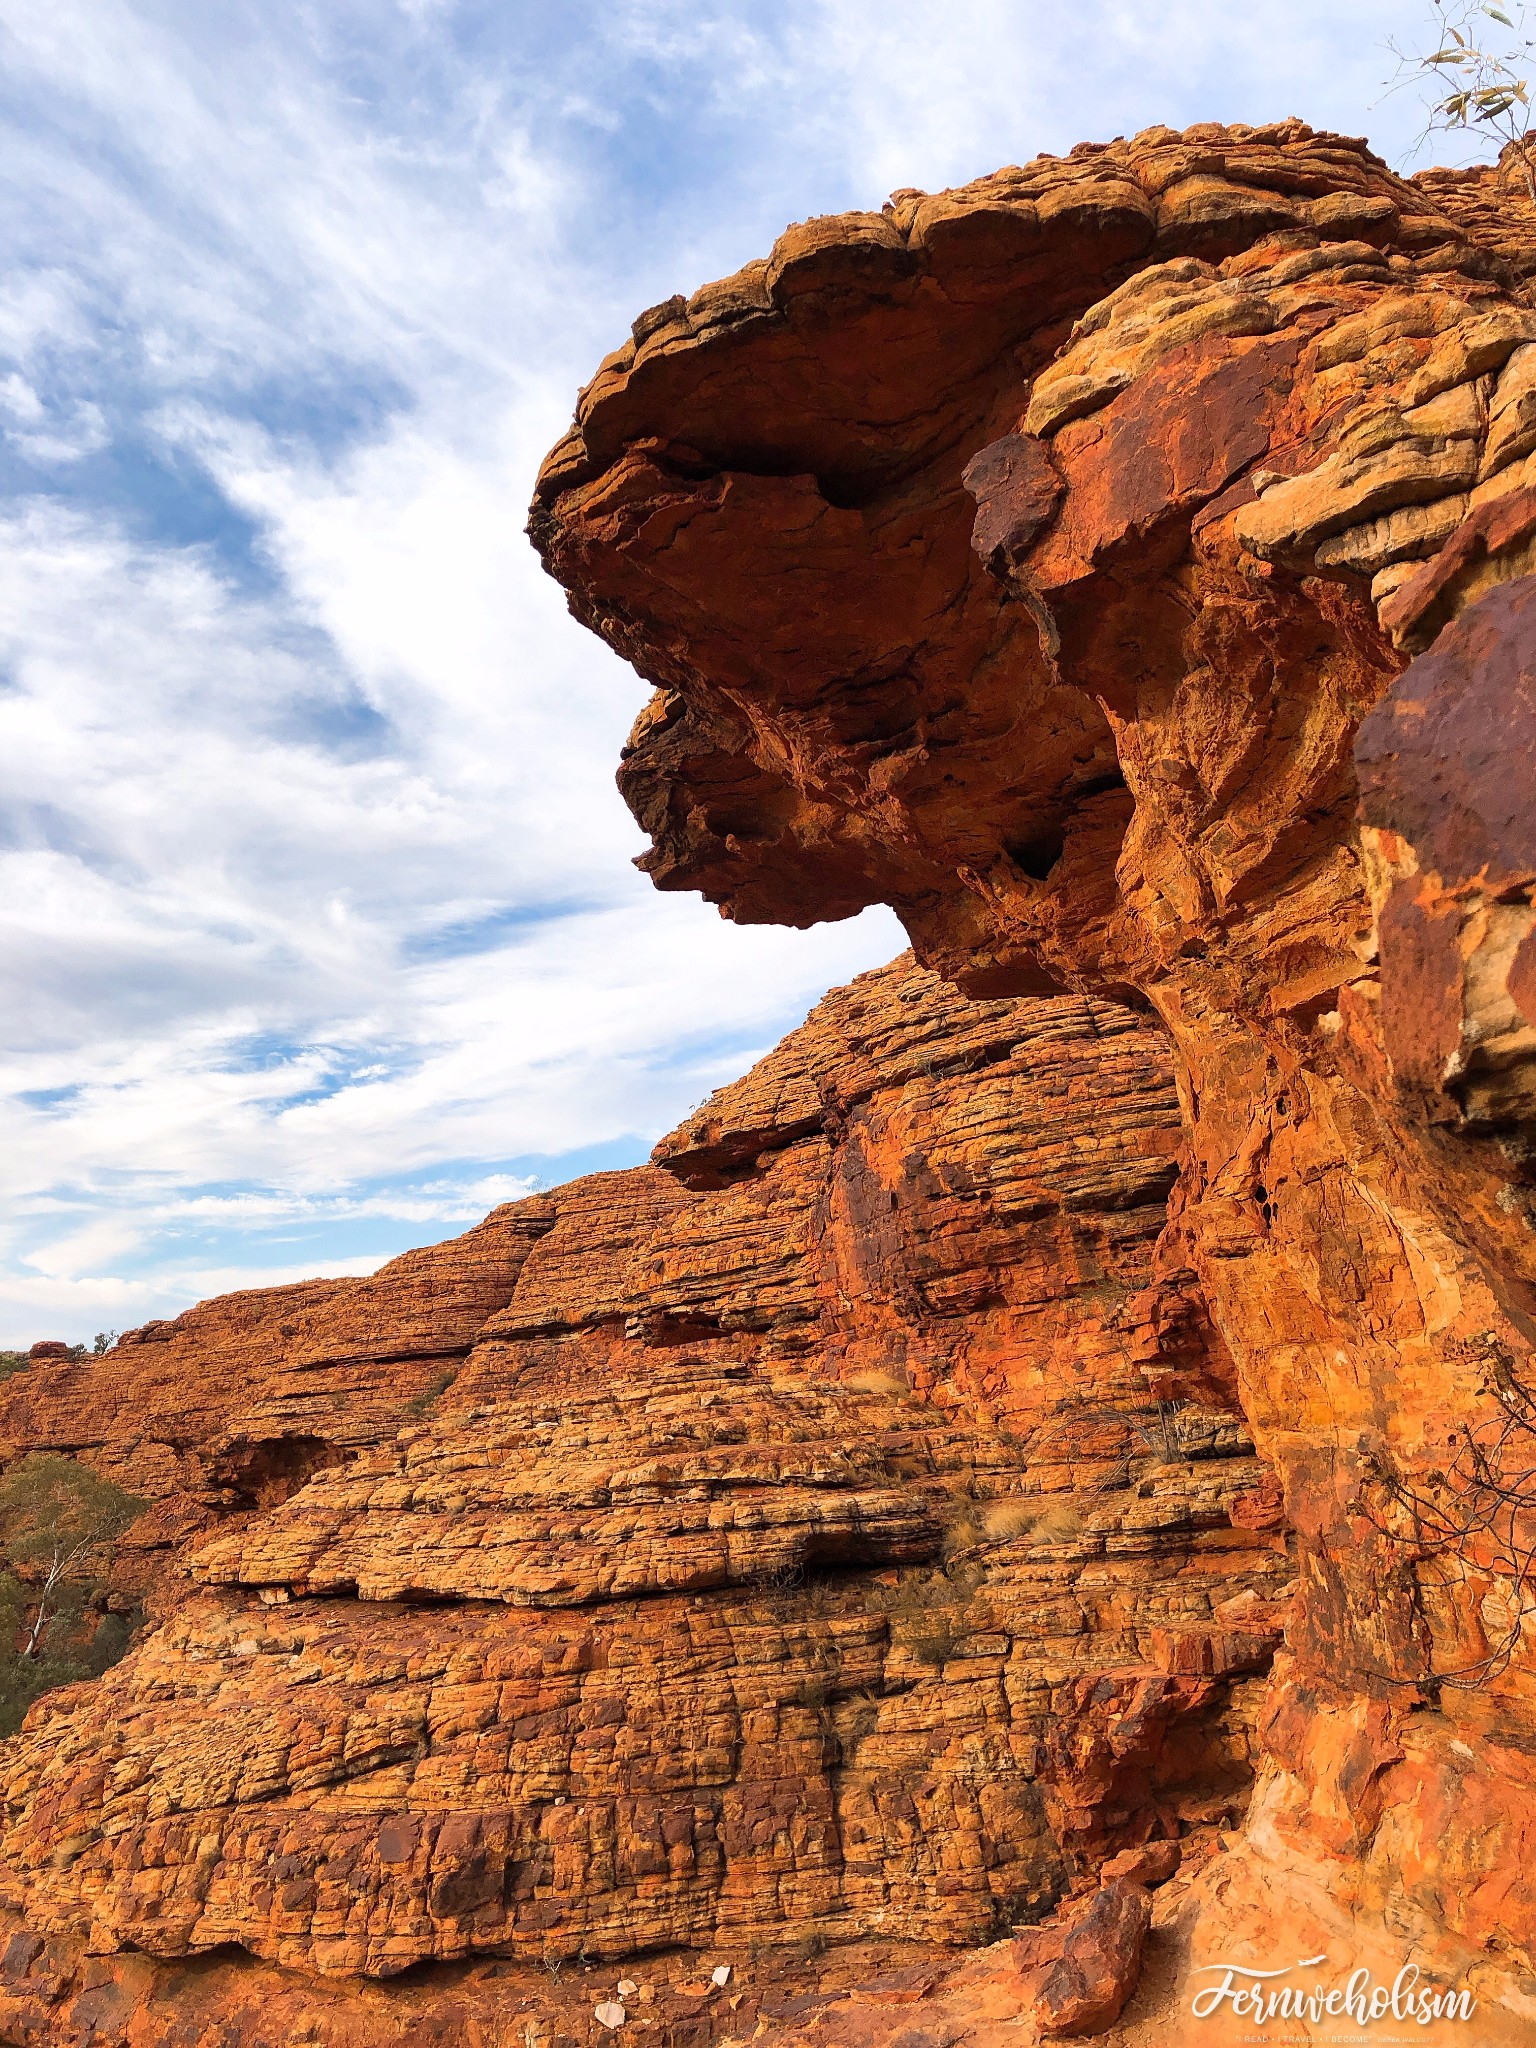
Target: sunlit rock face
(979,1524)
(840,1532)
(1121,567)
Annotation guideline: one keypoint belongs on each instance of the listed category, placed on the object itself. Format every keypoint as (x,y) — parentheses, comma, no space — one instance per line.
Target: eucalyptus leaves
(1484,73)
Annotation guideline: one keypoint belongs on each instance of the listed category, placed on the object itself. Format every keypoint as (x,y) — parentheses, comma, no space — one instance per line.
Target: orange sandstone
(848,1529)
(841,1527)
(1046,559)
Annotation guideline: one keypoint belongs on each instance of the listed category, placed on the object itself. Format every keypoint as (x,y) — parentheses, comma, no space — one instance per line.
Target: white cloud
(217,945)
(47,438)
(313,878)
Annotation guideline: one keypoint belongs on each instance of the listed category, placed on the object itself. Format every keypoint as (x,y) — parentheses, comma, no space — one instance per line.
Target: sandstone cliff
(1043,558)
(866,1526)
(841,1530)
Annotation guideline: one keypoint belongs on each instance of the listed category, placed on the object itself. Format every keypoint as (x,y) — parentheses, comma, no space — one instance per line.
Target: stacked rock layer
(841,1530)
(1045,559)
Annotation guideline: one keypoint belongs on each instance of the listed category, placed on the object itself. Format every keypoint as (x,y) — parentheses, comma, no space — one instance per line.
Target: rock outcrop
(1047,559)
(840,1530)
(828,1582)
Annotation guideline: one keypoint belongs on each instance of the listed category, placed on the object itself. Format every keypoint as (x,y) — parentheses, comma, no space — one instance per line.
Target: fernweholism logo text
(1259,1995)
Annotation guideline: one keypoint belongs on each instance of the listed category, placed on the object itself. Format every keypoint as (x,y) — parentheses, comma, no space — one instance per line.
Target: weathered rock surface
(847,1528)
(839,1530)
(1033,558)
(1077,1978)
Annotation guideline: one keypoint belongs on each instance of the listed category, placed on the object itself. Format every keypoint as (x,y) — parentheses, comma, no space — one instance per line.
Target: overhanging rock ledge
(1049,559)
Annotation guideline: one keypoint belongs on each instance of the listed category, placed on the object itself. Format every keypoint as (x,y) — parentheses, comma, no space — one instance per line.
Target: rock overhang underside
(911,524)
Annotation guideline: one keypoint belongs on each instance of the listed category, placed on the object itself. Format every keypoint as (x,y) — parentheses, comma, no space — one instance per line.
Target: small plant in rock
(964,1533)
(821,1597)
(1058,1523)
(433,1391)
(1152,1431)
(937,1640)
(1158,1429)
(932,1613)
(1472,1519)
(877,1380)
(857,1717)
(1002,1521)
(786,1577)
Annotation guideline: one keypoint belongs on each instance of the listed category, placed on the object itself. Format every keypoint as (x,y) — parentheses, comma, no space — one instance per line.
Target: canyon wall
(1121,566)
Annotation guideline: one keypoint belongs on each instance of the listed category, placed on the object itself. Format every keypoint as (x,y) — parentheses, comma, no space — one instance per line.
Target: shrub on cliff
(18,1361)
(58,1522)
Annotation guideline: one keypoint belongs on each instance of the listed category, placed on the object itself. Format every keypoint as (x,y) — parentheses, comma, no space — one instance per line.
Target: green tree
(58,1523)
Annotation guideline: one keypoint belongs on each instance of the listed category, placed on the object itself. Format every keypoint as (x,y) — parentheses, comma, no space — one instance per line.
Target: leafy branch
(1474,78)
(54,1514)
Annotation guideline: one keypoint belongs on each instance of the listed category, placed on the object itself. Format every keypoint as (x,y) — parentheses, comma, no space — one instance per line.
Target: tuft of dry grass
(1057,1524)
(933,1613)
(420,1403)
(1002,1520)
(963,1534)
(875,1380)
(1005,1521)
(937,1644)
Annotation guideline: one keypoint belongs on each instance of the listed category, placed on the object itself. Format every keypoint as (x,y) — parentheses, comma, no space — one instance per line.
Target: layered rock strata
(1039,558)
(839,1530)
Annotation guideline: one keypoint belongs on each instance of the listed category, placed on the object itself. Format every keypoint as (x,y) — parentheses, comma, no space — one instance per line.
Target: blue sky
(319,926)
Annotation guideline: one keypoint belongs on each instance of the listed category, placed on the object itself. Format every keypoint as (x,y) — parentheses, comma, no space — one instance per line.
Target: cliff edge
(1121,566)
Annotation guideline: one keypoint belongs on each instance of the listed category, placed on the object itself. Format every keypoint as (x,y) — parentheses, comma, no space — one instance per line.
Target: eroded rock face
(840,1530)
(1036,558)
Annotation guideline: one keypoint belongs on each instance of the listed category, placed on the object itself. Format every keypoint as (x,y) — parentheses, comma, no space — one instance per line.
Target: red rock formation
(846,1527)
(235,1404)
(1033,558)
(1078,1977)
(839,1529)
